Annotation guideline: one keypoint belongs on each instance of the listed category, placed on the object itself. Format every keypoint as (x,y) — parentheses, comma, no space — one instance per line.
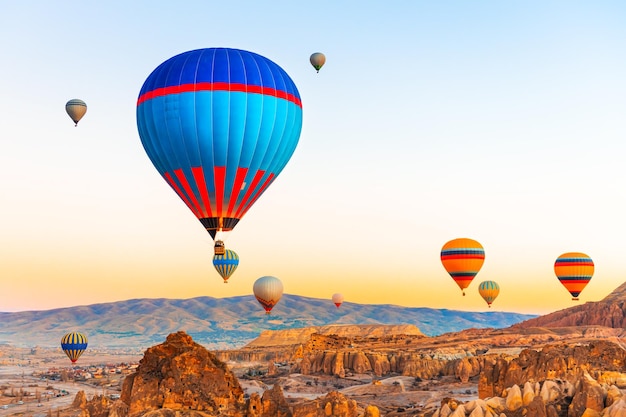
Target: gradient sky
(501,121)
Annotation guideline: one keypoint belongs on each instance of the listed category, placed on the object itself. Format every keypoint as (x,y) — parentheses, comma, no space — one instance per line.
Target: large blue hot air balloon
(219,125)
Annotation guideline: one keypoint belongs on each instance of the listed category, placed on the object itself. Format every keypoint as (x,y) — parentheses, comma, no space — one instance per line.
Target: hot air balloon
(76,109)
(574,270)
(226,264)
(489,290)
(219,125)
(462,258)
(317,60)
(337,299)
(268,291)
(74,344)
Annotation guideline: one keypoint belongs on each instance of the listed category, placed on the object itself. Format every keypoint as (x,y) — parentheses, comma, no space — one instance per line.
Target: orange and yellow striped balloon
(574,270)
(489,290)
(462,258)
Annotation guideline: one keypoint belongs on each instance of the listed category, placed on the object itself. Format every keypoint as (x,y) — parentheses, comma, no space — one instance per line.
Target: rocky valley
(569,363)
(539,367)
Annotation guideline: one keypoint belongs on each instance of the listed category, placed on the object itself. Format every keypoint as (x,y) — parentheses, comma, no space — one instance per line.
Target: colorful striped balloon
(462,258)
(219,124)
(226,264)
(268,291)
(574,270)
(74,344)
(489,290)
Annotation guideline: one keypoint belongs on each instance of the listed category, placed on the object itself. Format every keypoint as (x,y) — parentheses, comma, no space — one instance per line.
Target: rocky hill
(222,323)
(181,378)
(608,312)
(302,335)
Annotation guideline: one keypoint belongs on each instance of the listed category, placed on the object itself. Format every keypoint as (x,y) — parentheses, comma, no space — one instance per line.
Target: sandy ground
(18,369)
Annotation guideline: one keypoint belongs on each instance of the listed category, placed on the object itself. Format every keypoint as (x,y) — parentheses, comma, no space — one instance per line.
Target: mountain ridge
(222,323)
(608,312)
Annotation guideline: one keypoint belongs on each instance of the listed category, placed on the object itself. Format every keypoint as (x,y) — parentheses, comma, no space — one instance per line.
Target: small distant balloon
(74,344)
(317,60)
(462,258)
(337,299)
(226,264)
(489,290)
(76,109)
(574,270)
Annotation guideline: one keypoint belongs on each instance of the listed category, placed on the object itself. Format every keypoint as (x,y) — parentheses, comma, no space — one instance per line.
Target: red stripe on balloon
(239,177)
(183,180)
(257,177)
(198,176)
(220,175)
(258,194)
(234,87)
(180,193)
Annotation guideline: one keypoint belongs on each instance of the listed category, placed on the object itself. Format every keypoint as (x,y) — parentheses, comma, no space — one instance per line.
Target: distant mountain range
(222,323)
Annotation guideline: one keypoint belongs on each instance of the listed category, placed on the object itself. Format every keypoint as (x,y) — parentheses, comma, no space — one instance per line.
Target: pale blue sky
(501,121)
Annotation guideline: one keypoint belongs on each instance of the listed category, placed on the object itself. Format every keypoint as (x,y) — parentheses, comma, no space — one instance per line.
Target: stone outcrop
(180,378)
(182,375)
(559,380)
(271,403)
(550,398)
(555,361)
(333,404)
(302,335)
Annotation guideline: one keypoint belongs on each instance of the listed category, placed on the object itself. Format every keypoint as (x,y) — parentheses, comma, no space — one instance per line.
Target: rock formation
(333,404)
(602,359)
(302,335)
(180,378)
(549,398)
(182,375)
(608,312)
